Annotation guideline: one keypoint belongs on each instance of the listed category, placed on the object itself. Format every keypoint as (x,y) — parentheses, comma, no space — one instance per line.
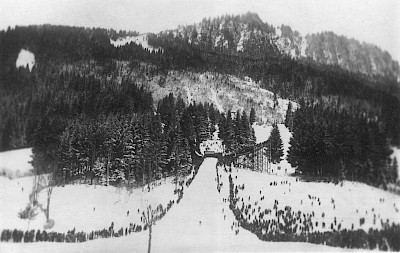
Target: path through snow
(196,224)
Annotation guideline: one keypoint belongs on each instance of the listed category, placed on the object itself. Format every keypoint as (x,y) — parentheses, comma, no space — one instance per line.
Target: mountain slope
(350,54)
(248,33)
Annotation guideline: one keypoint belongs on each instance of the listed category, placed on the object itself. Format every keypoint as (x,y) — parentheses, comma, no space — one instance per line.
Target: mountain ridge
(230,31)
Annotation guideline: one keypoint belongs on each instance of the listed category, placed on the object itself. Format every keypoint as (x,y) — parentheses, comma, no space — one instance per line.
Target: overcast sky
(373,21)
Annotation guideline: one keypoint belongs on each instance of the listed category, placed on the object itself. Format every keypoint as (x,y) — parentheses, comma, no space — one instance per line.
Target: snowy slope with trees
(202,221)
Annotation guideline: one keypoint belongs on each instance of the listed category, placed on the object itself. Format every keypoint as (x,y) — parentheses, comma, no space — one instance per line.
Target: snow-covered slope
(225,92)
(348,203)
(201,222)
(84,207)
(15,163)
(262,132)
(215,101)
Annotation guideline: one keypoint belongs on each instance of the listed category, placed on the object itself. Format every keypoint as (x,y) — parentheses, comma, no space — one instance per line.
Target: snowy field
(325,202)
(201,222)
(84,207)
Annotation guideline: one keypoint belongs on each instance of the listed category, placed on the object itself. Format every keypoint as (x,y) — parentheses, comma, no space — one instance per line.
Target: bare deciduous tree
(149,220)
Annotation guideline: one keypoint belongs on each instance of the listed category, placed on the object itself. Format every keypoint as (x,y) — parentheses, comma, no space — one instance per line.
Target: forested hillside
(76,101)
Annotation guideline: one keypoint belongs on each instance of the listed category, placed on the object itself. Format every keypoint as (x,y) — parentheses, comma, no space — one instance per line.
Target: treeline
(50,90)
(332,142)
(236,131)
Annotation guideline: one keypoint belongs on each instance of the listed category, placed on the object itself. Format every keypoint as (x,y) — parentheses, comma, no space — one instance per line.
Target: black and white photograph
(199,126)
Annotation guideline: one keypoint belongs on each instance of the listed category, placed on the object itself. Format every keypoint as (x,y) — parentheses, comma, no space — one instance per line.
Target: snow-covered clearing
(25,57)
(15,163)
(139,40)
(84,207)
(262,132)
(347,204)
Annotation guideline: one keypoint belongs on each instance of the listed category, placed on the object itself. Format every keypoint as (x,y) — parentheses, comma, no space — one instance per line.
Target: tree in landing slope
(276,145)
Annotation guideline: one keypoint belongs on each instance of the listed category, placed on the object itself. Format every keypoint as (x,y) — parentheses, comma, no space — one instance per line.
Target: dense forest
(236,132)
(136,148)
(77,112)
(330,142)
